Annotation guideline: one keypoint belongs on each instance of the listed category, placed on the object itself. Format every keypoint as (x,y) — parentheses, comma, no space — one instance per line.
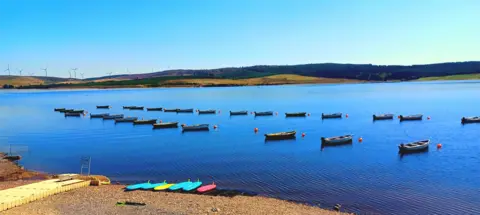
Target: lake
(366,177)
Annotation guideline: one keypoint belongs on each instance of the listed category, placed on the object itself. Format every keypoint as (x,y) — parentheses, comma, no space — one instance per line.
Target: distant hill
(336,72)
(366,72)
(28,80)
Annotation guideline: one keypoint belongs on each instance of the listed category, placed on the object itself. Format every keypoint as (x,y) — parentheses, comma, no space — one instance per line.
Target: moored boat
(166,125)
(473,119)
(67,114)
(145,122)
(185,110)
(298,114)
(65,110)
(103,106)
(155,109)
(59,109)
(382,116)
(207,111)
(414,146)
(75,111)
(264,113)
(113,116)
(127,107)
(281,135)
(126,119)
(235,113)
(198,127)
(136,108)
(98,115)
(331,115)
(337,140)
(411,117)
(169,110)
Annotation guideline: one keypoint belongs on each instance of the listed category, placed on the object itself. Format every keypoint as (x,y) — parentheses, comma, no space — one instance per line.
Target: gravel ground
(101,200)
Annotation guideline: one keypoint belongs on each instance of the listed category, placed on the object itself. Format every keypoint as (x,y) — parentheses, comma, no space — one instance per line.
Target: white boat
(411,117)
(382,116)
(114,116)
(414,146)
(473,119)
(337,140)
(199,127)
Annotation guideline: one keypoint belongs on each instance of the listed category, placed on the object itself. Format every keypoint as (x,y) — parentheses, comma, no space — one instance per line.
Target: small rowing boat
(299,114)
(337,140)
(127,107)
(170,110)
(206,188)
(99,115)
(59,109)
(235,113)
(414,146)
(198,127)
(473,119)
(65,110)
(67,114)
(125,119)
(411,117)
(265,113)
(76,111)
(192,186)
(281,135)
(382,116)
(163,187)
(103,106)
(113,116)
(145,122)
(331,115)
(185,110)
(155,109)
(136,108)
(166,125)
(207,111)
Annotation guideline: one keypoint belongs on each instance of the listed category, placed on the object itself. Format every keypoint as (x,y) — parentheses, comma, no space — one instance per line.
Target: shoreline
(102,198)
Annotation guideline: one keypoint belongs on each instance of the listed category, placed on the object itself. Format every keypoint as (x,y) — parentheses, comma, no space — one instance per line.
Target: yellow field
(17,81)
(274,79)
(452,77)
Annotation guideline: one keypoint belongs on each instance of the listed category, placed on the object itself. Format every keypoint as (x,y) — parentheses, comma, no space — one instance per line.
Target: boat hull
(411,118)
(99,115)
(268,113)
(154,109)
(467,120)
(103,107)
(165,125)
(207,112)
(124,120)
(237,113)
(301,114)
(418,146)
(145,122)
(383,117)
(281,136)
(337,140)
(202,127)
(111,117)
(331,116)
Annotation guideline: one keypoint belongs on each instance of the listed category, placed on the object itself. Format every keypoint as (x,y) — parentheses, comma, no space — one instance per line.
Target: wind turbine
(8,69)
(20,71)
(81,74)
(32,73)
(46,72)
(75,72)
(109,73)
(69,74)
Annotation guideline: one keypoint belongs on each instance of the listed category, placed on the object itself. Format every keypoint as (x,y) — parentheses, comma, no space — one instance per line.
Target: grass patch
(452,77)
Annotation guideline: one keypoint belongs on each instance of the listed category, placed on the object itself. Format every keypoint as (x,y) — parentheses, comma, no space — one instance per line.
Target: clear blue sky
(100,36)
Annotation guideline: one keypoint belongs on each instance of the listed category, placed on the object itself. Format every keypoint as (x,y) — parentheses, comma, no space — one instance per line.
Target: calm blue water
(367,177)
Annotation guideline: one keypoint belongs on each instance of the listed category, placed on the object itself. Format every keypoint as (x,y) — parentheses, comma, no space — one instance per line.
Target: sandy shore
(102,200)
